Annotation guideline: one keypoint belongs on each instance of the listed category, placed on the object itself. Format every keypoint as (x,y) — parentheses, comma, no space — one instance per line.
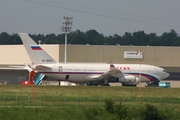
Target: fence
(73,101)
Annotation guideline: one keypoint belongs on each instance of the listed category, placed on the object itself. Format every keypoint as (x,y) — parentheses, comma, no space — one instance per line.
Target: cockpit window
(164,70)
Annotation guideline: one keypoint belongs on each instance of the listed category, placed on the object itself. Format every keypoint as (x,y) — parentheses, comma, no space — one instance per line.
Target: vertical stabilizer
(35,52)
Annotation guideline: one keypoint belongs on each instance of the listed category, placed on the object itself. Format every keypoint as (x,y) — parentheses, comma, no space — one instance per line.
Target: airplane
(90,73)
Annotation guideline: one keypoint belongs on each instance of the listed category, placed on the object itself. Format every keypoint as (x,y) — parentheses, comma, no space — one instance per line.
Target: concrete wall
(13,76)
(13,54)
(159,56)
(16,54)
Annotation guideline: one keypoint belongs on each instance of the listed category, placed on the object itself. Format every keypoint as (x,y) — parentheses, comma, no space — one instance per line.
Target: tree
(140,38)
(4,38)
(127,38)
(92,37)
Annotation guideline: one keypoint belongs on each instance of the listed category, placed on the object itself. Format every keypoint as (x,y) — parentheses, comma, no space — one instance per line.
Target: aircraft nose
(166,75)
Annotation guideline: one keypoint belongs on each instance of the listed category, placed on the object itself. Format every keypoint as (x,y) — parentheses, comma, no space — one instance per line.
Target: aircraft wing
(20,67)
(112,73)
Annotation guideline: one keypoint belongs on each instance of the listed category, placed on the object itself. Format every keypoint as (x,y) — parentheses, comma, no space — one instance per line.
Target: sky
(107,17)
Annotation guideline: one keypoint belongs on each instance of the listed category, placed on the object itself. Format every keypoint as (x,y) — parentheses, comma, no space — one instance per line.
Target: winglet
(111,65)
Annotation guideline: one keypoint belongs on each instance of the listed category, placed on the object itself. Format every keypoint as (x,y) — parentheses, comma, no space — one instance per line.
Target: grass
(89,91)
(73,102)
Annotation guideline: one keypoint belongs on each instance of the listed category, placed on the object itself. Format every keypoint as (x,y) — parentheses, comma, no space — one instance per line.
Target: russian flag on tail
(36,47)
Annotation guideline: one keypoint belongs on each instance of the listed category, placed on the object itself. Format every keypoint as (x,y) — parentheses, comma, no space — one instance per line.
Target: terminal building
(162,56)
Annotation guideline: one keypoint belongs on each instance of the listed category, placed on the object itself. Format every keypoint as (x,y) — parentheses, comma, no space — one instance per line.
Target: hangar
(166,57)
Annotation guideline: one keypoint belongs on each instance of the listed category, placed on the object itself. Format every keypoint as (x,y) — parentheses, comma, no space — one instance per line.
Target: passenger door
(60,69)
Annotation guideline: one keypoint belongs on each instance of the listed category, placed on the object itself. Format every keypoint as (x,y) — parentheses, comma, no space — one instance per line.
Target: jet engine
(129,80)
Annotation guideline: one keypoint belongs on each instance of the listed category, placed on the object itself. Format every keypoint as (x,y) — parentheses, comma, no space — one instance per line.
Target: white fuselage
(80,72)
(89,72)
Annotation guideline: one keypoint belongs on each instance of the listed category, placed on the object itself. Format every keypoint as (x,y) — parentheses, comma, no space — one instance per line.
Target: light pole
(66,27)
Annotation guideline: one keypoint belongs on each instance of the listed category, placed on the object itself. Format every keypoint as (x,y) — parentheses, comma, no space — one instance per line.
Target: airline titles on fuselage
(124,68)
(120,68)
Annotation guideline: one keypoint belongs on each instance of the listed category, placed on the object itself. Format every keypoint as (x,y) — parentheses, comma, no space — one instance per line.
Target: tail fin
(35,52)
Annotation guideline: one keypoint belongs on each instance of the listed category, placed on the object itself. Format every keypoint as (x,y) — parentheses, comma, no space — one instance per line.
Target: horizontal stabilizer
(20,67)
(41,68)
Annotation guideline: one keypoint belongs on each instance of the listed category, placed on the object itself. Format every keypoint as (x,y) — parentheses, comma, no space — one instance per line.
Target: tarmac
(173,83)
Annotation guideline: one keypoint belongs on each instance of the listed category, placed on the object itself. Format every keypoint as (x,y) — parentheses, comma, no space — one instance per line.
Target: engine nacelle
(129,80)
